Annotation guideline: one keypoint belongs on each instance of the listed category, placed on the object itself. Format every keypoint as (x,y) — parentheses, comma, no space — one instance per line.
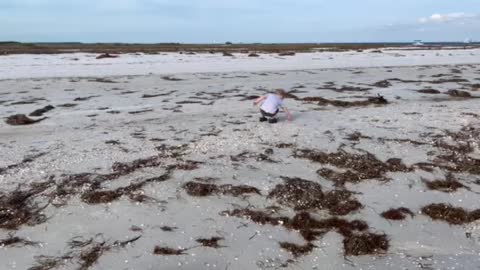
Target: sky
(219,21)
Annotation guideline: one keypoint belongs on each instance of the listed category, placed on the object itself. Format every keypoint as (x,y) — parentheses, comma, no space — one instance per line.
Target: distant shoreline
(12,47)
(81,64)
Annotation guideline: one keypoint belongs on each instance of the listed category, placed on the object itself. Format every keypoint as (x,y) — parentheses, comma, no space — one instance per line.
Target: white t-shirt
(272,103)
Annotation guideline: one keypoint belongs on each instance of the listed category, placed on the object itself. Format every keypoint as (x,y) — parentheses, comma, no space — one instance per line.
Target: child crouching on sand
(271,104)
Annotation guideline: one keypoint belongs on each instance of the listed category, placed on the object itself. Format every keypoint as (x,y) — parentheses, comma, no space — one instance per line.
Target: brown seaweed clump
(98,197)
(365,244)
(456,158)
(450,184)
(49,262)
(188,165)
(358,167)
(356,240)
(450,214)
(298,193)
(210,242)
(166,251)
(429,91)
(379,100)
(121,169)
(16,241)
(94,196)
(284,145)
(106,55)
(41,111)
(309,227)
(382,84)
(18,208)
(249,155)
(91,251)
(356,136)
(297,250)
(90,256)
(85,252)
(459,93)
(397,214)
(302,195)
(197,189)
(22,120)
(257,216)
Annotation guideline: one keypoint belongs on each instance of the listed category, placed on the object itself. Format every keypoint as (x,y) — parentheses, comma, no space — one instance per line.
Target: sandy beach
(160,161)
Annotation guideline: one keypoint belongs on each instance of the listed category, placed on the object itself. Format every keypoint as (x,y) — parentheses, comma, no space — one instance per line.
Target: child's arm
(289,116)
(260,99)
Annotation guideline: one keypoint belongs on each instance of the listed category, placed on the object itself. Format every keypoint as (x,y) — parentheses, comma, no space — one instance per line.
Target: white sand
(74,142)
(81,64)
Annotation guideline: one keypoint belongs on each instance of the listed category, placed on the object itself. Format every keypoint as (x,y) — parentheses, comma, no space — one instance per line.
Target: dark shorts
(265,114)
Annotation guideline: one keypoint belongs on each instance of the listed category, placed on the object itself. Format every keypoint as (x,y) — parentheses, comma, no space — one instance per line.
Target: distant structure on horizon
(418,43)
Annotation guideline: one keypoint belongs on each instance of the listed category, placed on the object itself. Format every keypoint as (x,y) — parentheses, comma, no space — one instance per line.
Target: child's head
(281,93)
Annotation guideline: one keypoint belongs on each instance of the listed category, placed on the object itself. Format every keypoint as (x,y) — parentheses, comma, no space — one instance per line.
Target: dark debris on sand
(103,80)
(50,262)
(67,105)
(16,242)
(89,184)
(169,78)
(365,244)
(457,158)
(450,184)
(210,242)
(19,208)
(397,214)
(84,98)
(382,84)
(459,93)
(85,252)
(40,112)
(356,136)
(30,101)
(167,251)
(358,167)
(249,155)
(22,119)
(297,250)
(158,95)
(438,81)
(343,89)
(450,214)
(257,216)
(168,228)
(90,256)
(302,194)
(204,189)
(94,196)
(429,91)
(379,100)
(188,165)
(284,145)
(106,55)
(357,240)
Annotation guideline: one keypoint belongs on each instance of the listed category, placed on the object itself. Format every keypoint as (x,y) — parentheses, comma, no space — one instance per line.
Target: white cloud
(444,18)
